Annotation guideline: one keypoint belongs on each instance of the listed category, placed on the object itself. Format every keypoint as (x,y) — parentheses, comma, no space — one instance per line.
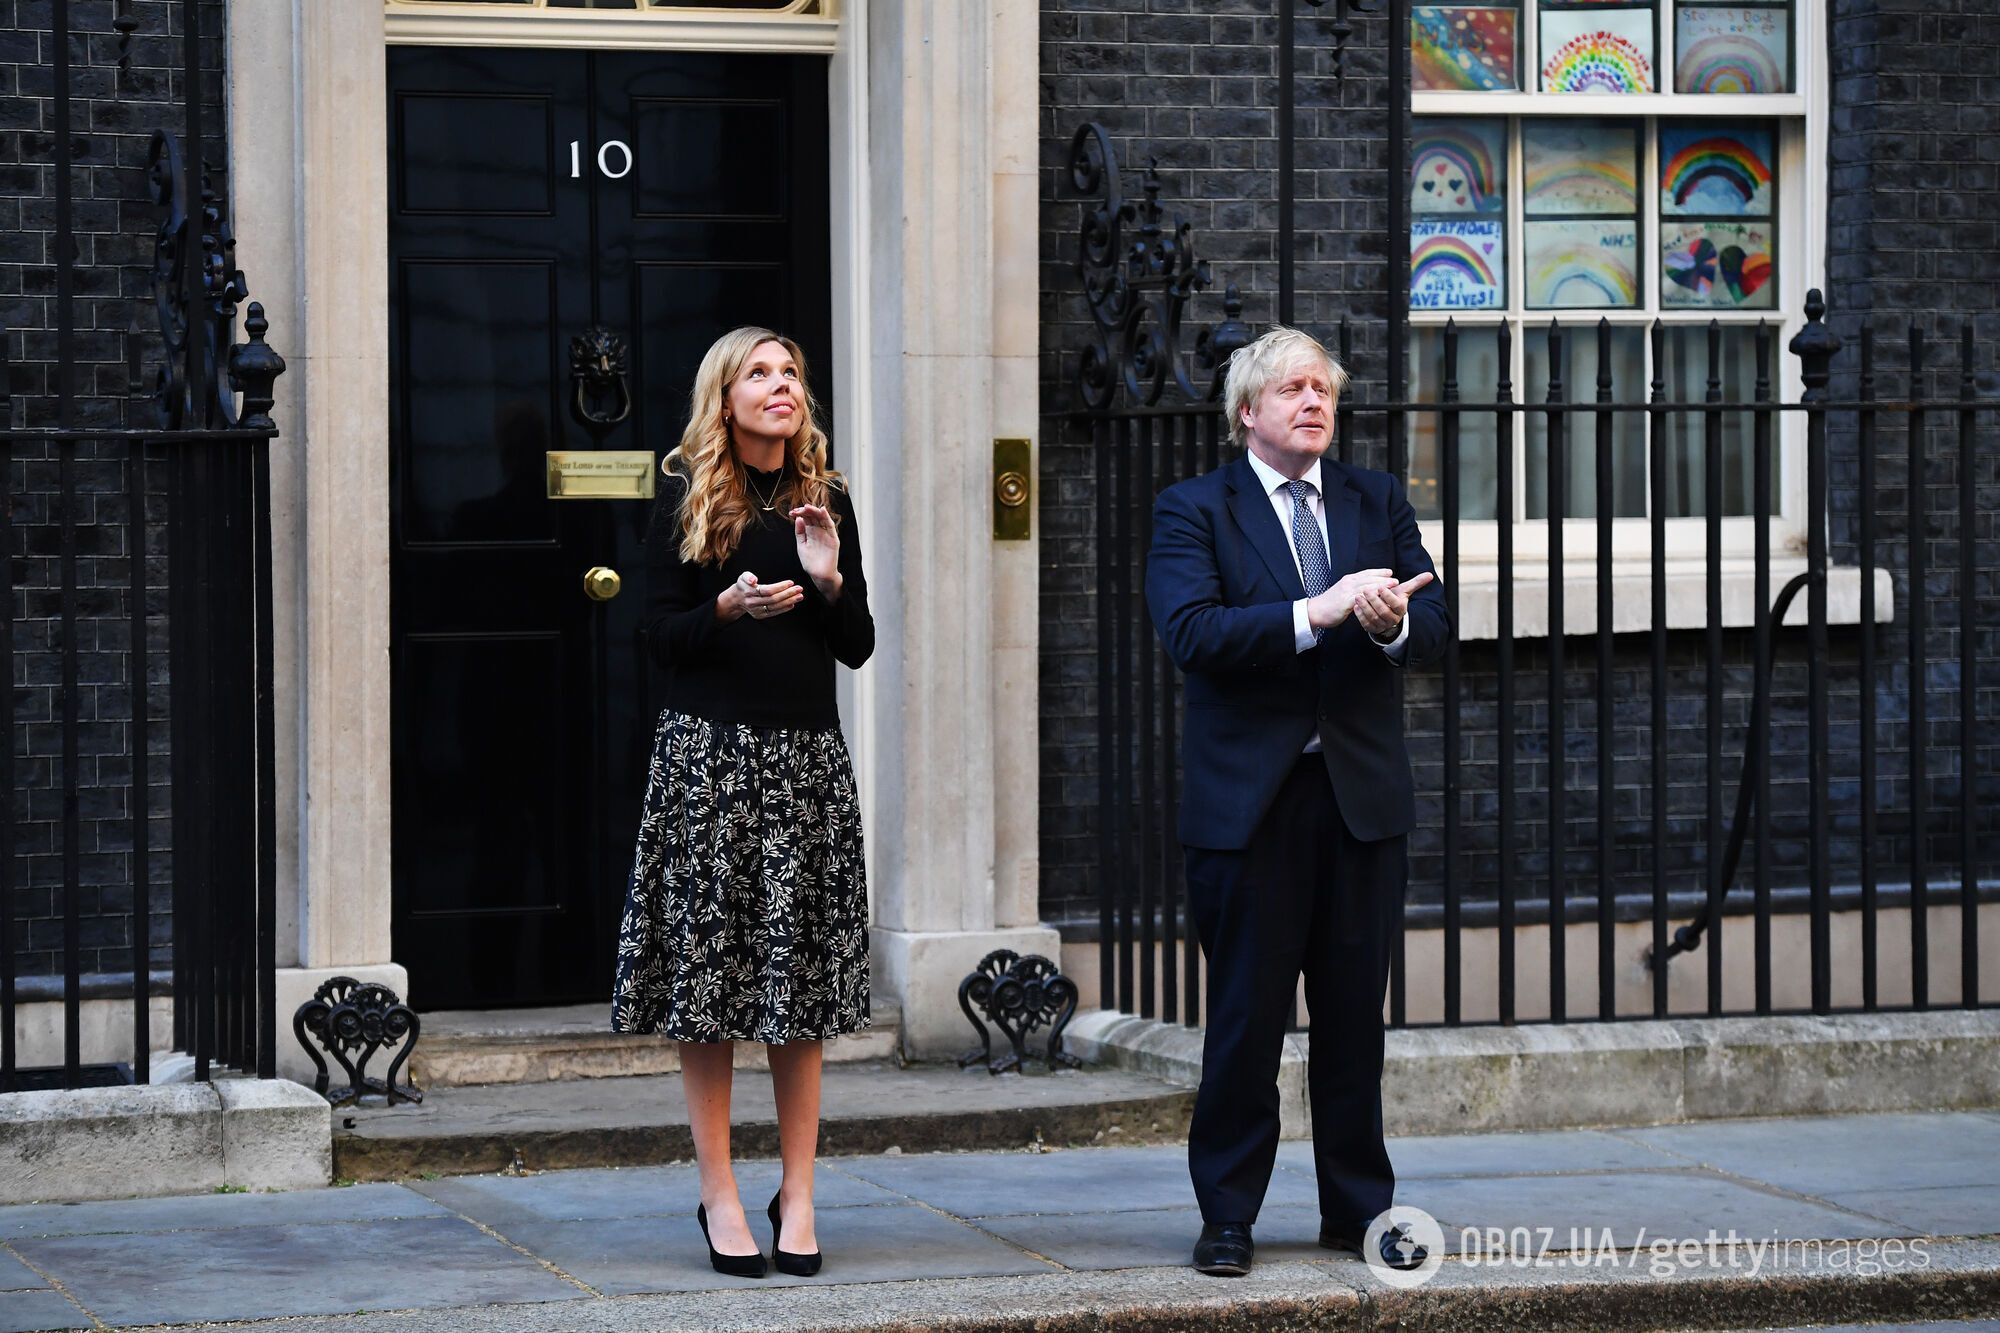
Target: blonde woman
(747,914)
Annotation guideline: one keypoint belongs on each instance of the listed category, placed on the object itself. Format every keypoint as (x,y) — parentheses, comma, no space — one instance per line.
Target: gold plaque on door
(601,474)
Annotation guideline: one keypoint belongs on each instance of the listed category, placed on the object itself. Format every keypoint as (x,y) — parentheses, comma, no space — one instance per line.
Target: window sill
(1632,596)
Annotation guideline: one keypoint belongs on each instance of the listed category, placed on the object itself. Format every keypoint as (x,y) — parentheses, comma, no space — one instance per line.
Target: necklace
(765,503)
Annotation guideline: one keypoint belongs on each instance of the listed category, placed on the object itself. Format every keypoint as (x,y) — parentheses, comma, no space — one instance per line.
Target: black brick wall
(113,115)
(1915,205)
(1913,216)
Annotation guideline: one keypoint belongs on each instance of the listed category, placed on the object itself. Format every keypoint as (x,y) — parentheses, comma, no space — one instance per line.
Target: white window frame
(1802,120)
(804,26)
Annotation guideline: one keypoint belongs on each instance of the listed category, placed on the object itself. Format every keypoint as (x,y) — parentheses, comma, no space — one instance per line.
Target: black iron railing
(211,523)
(1149,966)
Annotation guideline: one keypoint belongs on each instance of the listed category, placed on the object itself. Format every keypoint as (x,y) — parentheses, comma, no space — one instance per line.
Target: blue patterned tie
(1315,568)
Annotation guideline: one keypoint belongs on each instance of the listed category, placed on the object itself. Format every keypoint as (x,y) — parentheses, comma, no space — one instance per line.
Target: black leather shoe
(1397,1249)
(1225,1249)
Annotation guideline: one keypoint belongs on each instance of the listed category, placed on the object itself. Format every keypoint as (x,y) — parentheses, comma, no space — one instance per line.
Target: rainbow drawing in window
(1457,264)
(1608,52)
(1457,166)
(1457,49)
(1706,171)
(1726,264)
(1575,166)
(1732,51)
(1582,263)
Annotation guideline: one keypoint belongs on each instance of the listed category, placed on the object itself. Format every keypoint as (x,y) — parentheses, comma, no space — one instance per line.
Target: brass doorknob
(601,584)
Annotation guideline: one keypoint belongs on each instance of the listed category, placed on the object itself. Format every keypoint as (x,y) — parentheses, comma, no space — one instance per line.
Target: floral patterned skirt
(747,913)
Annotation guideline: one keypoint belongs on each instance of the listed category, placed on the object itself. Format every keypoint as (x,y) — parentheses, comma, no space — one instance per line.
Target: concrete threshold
(1584,1075)
(1960,1281)
(153,1139)
(642,1120)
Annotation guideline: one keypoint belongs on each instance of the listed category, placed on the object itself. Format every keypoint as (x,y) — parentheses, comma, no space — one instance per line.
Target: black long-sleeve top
(766,673)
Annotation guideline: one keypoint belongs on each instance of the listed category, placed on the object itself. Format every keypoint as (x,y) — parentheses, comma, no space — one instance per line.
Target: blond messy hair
(1254,366)
(717,510)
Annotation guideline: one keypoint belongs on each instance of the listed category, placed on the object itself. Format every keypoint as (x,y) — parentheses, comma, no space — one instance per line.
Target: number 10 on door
(603,162)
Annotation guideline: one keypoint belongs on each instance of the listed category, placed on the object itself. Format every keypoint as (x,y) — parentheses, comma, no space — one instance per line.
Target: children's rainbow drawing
(1462,48)
(1731,51)
(1456,265)
(1597,53)
(1706,171)
(1455,166)
(1583,264)
(1717,264)
(1580,168)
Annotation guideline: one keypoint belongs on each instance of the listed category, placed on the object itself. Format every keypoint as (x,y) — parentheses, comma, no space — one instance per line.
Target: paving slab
(267,1272)
(1420,1156)
(1954,1326)
(631,1191)
(33,1311)
(866,1108)
(1152,1238)
(1821,1154)
(1963,1210)
(1076,1180)
(888,1243)
(1659,1205)
(16,1275)
(204,1212)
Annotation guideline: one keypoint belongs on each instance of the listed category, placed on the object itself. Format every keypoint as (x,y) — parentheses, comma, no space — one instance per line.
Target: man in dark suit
(1290,588)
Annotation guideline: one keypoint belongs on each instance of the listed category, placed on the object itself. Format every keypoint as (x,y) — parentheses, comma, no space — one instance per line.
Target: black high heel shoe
(793,1265)
(731,1265)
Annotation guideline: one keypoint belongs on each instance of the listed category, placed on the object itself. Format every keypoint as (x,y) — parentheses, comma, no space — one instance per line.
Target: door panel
(506,165)
(523,712)
(498,845)
(479,429)
(684,165)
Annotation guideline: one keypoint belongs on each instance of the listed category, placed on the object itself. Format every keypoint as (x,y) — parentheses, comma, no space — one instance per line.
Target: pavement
(1897,1219)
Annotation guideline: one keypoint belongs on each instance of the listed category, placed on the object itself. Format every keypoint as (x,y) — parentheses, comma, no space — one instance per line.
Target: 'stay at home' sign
(1457,265)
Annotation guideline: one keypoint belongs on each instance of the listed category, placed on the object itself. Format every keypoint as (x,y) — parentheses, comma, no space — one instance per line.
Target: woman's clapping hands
(759,601)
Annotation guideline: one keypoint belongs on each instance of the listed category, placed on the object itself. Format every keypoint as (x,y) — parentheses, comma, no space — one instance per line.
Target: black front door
(535,197)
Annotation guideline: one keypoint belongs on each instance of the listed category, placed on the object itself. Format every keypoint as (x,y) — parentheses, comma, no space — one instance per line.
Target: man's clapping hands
(1371,596)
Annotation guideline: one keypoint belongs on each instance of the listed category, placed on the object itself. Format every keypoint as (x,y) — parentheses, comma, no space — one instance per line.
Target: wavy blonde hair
(1253,367)
(718,509)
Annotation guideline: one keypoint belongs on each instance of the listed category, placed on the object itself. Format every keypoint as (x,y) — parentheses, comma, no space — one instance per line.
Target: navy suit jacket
(1220,583)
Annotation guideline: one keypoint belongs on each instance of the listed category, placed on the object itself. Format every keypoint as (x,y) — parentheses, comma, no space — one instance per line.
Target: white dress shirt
(1281,504)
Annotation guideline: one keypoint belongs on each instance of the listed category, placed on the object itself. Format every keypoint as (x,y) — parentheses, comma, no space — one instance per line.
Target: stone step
(865,1108)
(468,1047)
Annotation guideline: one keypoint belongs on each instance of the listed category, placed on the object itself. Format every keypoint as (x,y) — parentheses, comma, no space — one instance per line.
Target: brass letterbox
(601,474)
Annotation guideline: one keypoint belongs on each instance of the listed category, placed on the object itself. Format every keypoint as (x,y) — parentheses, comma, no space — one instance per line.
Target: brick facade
(113,116)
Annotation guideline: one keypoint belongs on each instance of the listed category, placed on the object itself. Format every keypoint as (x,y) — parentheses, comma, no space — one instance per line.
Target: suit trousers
(1306,897)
